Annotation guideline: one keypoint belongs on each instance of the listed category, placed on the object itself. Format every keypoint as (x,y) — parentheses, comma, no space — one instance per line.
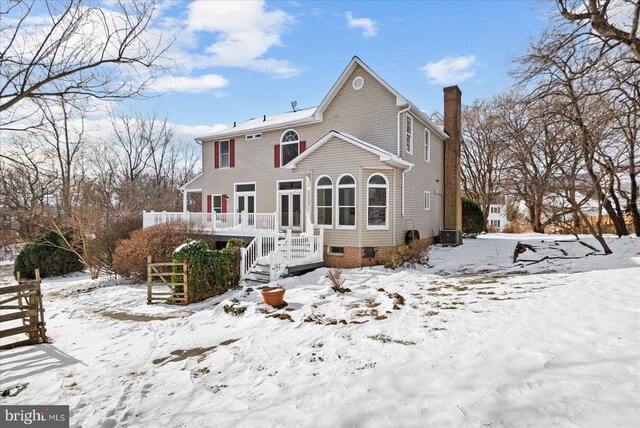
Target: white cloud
(368,26)
(190,132)
(245,32)
(450,70)
(197,84)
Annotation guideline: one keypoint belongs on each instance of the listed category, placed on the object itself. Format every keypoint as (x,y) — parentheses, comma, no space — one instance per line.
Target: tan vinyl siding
(361,165)
(369,114)
(422,177)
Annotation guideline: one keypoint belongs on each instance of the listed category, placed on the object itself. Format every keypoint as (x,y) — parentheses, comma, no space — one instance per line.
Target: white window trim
(282,143)
(410,134)
(315,203)
(355,201)
(244,193)
(213,206)
(253,136)
(427,197)
(300,191)
(386,213)
(427,145)
(228,154)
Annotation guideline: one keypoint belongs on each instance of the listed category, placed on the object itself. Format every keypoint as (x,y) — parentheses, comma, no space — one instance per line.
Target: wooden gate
(169,277)
(22,304)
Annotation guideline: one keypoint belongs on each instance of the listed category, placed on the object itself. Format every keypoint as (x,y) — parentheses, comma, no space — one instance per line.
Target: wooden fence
(171,278)
(23,302)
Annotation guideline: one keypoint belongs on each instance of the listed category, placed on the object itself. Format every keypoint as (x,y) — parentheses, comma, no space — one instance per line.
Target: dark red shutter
(303,146)
(276,156)
(232,153)
(216,154)
(224,203)
(209,203)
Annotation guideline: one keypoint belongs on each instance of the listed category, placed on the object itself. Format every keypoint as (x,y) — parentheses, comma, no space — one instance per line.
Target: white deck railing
(295,251)
(229,223)
(291,251)
(258,249)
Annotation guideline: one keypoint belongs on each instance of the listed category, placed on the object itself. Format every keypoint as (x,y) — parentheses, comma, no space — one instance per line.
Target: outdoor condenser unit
(450,237)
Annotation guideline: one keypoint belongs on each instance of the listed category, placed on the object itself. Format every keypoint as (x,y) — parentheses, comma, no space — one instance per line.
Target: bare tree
(483,154)
(27,184)
(607,19)
(69,47)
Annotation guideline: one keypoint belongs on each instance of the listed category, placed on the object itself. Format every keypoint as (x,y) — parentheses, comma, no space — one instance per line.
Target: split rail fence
(22,304)
(171,279)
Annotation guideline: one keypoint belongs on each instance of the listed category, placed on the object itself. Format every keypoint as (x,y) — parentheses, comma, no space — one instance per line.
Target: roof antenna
(264,118)
(294,104)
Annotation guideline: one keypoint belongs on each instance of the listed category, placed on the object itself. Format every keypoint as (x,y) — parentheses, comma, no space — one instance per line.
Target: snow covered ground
(471,340)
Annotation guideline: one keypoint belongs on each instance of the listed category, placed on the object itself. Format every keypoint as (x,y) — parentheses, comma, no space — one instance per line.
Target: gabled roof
(384,155)
(314,114)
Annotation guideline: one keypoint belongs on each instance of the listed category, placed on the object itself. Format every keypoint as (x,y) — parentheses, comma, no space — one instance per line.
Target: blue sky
(244,59)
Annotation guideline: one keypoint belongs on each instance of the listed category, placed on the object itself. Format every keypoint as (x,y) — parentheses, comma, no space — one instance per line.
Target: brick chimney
(453,127)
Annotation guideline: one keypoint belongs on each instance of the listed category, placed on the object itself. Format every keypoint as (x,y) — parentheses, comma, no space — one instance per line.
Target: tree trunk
(618,222)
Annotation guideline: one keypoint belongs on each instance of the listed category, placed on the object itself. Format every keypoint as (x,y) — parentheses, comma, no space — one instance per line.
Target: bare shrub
(516,226)
(159,242)
(410,255)
(336,280)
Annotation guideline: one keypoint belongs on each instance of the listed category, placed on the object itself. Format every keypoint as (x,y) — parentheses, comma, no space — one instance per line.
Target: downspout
(406,109)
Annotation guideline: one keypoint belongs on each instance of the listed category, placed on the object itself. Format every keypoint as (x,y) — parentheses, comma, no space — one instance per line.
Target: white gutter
(399,113)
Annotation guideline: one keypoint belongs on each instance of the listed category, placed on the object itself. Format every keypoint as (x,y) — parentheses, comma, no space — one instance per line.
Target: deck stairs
(268,258)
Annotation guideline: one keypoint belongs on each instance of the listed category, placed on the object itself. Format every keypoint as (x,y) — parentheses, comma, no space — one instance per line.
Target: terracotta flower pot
(273,296)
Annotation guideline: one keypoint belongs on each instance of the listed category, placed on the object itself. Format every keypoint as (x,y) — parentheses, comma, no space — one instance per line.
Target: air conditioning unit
(450,238)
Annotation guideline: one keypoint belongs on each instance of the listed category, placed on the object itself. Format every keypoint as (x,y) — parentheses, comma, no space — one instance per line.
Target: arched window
(377,205)
(289,146)
(346,201)
(324,201)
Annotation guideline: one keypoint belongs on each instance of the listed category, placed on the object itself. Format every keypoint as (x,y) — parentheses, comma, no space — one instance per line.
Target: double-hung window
(224,154)
(346,201)
(427,145)
(377,202)
(324,201)
(409,135)
(217,203)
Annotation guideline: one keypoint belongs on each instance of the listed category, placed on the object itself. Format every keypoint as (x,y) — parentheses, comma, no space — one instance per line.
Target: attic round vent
(358,83)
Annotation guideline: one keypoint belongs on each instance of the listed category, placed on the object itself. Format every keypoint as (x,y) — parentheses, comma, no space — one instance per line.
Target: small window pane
(324,215)
(347,179)
(245,187)
(324,197)
(347,216)
(289,136)
(289,152)
(377,179)
(324,181)
(289,185)
(377,216)
(377,196)
(347,197)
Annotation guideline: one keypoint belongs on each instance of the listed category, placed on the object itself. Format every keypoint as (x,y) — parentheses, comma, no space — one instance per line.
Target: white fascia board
(282,125)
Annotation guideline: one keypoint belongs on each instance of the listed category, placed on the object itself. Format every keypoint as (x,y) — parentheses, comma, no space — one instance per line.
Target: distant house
(337,184)
(497,215)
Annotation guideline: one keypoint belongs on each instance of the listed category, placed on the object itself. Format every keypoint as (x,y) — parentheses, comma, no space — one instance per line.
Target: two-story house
(337,184)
